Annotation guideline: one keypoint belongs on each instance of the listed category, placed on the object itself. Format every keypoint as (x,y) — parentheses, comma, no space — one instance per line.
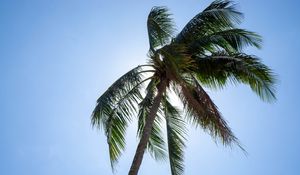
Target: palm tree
(206,53)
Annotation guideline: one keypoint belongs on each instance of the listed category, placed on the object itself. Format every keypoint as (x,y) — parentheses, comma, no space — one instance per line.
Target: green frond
(115,131)
(160,27)
(231,40)
(114,109)
(124,89)
(219,68)
(219,15)
(156,144)
(176,133)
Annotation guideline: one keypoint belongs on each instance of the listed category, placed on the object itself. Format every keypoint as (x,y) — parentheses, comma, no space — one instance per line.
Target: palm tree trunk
(138,157)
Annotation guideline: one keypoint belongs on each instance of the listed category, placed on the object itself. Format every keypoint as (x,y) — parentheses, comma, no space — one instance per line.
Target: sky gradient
(58,56)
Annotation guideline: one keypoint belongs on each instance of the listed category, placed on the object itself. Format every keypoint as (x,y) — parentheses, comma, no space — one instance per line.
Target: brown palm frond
(202,111)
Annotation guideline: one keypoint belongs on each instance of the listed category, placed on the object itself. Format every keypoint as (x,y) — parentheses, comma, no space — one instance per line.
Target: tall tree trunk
(138,157)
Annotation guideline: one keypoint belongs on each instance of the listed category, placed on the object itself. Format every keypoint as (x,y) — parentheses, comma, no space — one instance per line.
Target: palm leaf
(231,40)
(160,27)
(215,71)
(176,132)
(114,109)
(217,16)
(201,111)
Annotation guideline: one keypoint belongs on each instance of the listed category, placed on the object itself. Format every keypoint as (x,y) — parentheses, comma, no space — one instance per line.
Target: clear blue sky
(58,56)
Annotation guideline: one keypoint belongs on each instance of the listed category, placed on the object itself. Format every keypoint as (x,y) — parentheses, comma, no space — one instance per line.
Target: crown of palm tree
(208,52)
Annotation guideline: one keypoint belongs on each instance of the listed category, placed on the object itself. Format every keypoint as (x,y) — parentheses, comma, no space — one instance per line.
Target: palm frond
(231,40)
(156,144)
(160,27)
(220,14)
(215,70)
(202,112)
(115,132)
(176,133)
(114,109)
